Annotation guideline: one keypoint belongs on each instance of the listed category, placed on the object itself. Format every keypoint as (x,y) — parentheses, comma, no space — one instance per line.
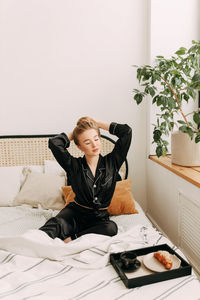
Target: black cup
(129,261)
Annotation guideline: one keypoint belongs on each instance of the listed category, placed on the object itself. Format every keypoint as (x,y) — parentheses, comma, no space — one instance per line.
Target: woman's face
(89,142)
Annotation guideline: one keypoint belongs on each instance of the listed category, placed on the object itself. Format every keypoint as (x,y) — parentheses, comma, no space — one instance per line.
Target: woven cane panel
(24,151)
(34,151)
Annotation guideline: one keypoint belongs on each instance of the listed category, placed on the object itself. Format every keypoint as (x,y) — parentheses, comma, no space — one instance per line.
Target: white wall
(173,24)
(60,60)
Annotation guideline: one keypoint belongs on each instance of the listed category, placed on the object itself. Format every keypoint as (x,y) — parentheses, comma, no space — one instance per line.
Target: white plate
(155,265)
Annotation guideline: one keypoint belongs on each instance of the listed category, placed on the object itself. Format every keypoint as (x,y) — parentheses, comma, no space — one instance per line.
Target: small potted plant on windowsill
(170,83)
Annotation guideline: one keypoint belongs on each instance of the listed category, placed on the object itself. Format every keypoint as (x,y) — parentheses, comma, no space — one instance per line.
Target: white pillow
(53,167)
(10,184)
(28,169)
(42,189)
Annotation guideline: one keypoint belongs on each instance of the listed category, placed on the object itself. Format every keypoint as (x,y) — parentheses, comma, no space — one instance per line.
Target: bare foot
(67,240)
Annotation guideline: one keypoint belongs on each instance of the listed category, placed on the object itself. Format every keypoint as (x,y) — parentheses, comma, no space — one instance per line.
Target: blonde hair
(82,125)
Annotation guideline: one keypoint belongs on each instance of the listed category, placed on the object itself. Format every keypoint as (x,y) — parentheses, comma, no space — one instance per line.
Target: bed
(33,266)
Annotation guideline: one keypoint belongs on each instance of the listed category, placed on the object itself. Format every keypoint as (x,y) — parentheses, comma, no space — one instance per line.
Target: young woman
(92,177)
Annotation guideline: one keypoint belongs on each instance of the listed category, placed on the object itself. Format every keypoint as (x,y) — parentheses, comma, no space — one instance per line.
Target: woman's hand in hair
(87,118)
(102,125)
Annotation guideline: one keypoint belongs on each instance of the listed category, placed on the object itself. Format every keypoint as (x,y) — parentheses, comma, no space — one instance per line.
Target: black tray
(183,270)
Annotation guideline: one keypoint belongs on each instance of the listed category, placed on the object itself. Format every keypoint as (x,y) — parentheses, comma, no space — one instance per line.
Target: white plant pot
(185,152)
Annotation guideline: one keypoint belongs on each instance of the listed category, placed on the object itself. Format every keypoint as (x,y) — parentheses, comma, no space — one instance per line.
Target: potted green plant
(170,83)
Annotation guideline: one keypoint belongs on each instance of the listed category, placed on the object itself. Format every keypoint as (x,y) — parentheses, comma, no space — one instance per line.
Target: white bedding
(33,266)
(17,219)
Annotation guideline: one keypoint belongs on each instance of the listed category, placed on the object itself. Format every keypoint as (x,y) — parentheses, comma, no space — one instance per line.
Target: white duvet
(34,266)
(81,252)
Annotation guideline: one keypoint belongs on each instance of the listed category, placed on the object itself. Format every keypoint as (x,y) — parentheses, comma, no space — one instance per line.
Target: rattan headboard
(24,150)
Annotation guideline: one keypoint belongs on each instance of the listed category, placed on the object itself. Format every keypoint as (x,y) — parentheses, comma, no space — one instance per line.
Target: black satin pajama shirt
(94,192)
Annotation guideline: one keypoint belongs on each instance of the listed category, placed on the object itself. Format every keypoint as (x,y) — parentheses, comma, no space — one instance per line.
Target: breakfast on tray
(165,258)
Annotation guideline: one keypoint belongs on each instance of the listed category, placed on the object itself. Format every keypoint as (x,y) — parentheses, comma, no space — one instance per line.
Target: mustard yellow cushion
(68,194)
(122,201)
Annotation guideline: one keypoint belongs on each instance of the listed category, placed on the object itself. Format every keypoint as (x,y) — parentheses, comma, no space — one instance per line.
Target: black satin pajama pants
(74,221)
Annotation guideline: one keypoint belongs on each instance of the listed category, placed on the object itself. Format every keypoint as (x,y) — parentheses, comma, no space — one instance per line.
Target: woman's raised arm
(58,145)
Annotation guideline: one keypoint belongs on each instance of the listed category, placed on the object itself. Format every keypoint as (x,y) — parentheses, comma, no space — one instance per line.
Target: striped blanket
(33,266)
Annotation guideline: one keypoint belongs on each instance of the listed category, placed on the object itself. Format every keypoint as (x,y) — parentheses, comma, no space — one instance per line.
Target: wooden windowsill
(191,174)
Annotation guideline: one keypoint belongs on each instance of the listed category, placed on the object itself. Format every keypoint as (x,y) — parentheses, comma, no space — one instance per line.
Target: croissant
(165,258)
